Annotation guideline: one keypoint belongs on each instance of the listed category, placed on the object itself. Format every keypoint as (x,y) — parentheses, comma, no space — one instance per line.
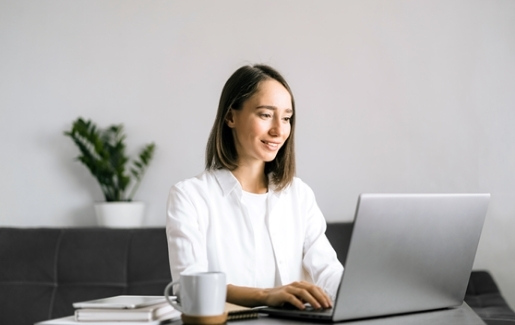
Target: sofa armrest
(485,298)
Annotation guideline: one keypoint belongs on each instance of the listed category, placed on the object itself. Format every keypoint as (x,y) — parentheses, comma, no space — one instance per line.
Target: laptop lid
(408,253)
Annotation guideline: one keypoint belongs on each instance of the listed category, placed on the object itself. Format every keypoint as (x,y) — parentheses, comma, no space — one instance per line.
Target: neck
(252,178)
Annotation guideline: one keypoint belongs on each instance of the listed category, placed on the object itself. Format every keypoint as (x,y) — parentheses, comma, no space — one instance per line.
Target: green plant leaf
(103,152)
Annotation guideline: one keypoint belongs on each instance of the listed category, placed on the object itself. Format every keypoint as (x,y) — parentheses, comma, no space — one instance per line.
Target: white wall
(392,96)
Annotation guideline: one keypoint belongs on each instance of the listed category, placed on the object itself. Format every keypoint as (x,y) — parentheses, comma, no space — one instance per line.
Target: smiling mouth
(271,145)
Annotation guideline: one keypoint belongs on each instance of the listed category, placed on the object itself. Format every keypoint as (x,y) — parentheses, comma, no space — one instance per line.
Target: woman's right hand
(297,294)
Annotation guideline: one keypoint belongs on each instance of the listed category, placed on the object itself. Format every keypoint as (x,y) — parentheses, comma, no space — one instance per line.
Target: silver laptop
(408,253)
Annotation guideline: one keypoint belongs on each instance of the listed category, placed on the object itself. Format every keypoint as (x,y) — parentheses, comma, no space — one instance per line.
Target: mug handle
(172,300)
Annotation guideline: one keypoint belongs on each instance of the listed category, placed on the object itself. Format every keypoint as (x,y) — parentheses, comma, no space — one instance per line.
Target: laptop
(408,253)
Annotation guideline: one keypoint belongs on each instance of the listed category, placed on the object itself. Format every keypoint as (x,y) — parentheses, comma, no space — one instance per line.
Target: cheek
(249,131)
(287,131)
(257,128)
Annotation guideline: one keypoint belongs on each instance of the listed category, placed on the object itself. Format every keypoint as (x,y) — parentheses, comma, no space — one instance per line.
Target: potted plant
(103,152)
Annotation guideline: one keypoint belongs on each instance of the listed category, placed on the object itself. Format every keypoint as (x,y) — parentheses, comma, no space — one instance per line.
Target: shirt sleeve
(186,233)
(320,258)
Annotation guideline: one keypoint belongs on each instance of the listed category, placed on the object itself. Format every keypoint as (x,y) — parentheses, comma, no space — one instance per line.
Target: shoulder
(298,184)
(202,178)
(219,181)
(297,181)
(204,181)
(192,191)
(298,189)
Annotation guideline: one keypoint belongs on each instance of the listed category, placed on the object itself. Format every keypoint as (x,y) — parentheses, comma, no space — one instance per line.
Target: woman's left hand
(297,294)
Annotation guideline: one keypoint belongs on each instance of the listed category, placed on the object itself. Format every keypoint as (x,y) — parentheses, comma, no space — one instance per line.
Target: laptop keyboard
(308,309)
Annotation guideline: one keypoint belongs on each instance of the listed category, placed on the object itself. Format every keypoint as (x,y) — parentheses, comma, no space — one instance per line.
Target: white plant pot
(120,214)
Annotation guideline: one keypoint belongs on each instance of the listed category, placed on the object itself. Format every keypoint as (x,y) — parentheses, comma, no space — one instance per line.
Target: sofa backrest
(339,234)
(43,271)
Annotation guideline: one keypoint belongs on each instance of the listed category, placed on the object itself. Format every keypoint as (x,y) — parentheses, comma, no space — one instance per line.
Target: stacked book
(134,310)
(125,308)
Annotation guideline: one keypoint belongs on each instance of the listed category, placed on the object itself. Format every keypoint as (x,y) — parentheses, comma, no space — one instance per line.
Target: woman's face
(262,125)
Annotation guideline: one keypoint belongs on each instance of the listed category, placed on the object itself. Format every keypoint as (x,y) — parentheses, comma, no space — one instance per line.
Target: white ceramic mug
(200,294)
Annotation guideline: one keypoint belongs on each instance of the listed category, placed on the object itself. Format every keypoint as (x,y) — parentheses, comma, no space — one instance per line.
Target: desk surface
(462,315)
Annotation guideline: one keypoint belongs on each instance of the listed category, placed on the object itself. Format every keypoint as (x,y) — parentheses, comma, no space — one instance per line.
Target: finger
(316,296)
(305,295)
(322,297)
(295,301)
(285,294)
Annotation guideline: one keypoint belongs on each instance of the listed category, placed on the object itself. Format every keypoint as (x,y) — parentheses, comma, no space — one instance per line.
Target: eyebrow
(273,108)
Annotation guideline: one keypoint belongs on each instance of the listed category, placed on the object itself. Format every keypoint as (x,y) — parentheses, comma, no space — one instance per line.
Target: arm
(185,233)
(319,256)
(296,293)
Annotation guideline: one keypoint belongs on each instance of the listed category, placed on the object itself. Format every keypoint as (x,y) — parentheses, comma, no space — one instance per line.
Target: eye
(265,115)
(287,119)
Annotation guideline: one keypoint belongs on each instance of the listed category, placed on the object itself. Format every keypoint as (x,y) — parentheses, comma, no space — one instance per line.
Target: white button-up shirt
(209,229)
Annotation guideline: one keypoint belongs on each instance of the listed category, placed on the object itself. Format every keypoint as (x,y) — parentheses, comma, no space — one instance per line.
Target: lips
(271,145)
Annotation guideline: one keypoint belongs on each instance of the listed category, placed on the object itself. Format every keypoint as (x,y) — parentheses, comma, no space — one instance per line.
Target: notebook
(408,253)
(121,302)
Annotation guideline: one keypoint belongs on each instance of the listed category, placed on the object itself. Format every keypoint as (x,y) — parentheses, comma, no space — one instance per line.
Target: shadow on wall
(84,217)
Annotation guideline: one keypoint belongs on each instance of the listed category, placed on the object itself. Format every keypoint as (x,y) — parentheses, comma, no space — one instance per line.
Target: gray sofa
(44,270)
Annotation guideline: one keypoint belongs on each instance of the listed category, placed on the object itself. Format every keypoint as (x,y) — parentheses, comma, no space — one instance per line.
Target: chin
(269,159)
(268,156)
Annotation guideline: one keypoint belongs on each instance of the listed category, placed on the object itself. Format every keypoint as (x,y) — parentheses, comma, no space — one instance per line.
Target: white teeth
(271,144)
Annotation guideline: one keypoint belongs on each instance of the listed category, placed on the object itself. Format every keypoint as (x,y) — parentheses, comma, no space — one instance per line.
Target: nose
(278,128)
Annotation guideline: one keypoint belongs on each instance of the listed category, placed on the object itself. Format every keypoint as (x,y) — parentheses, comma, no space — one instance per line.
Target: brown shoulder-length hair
(221,150)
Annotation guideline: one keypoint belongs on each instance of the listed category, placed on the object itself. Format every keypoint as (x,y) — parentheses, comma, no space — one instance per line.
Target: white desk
(462,315)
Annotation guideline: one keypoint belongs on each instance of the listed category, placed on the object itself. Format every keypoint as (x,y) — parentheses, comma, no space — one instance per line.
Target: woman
(246,214)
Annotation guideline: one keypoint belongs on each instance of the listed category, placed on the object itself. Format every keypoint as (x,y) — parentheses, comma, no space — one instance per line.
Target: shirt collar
(229,183)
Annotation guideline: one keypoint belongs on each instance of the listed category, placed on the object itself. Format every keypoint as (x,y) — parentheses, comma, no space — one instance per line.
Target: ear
(229,118)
